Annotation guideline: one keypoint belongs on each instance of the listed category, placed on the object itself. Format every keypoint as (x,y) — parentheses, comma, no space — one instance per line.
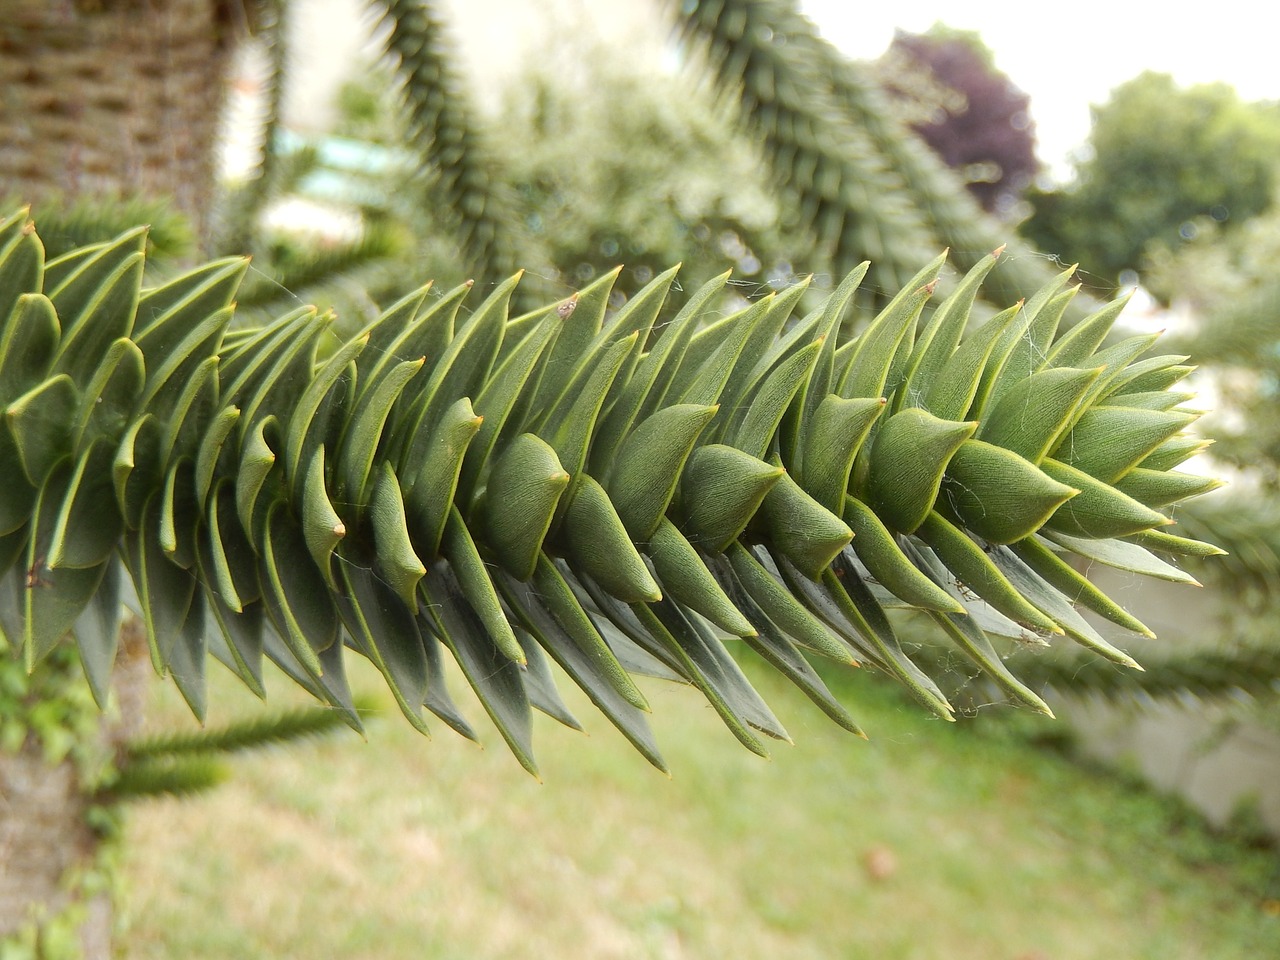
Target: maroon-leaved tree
(968,111)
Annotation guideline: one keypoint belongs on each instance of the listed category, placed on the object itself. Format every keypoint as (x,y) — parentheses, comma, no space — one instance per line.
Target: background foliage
(948,88)
(1159,159)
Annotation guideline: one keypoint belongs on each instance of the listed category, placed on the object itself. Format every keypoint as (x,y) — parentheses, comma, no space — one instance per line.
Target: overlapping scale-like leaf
(621,496)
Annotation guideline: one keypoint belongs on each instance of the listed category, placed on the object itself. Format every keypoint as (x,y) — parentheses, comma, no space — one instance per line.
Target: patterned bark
(112,96)
(42,836)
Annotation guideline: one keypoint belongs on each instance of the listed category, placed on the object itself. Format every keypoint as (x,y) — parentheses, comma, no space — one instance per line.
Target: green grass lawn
(933,840)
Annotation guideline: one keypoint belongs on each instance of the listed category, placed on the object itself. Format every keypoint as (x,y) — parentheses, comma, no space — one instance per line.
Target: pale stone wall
(1212,755)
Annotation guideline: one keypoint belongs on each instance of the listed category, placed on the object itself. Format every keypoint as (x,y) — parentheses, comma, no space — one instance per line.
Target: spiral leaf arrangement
(598,489)
(442,128)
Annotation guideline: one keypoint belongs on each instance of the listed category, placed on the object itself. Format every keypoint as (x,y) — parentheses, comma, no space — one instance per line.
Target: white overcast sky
(1067,56)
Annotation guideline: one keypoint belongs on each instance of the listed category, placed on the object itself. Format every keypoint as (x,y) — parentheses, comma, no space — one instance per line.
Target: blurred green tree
(1158,158)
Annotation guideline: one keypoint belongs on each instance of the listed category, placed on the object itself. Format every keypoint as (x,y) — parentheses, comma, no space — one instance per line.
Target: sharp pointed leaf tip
(999,250)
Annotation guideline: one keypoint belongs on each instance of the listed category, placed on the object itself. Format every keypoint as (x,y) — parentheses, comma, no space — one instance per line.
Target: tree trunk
(43,836)
(46,840)
(113,96)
